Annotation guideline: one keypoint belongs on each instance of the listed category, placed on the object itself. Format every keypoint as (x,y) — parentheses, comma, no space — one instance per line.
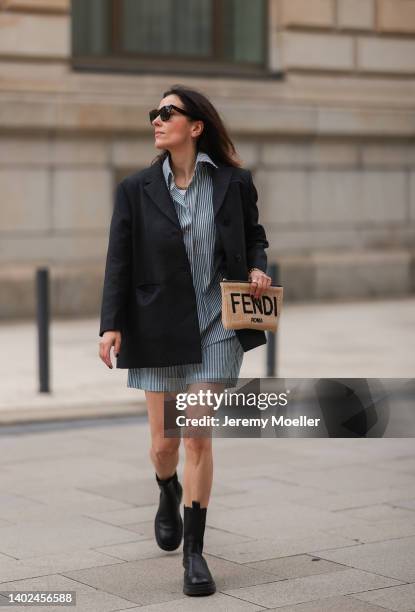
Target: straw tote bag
(241,311)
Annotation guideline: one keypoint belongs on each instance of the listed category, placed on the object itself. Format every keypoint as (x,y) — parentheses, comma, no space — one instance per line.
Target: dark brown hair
(214,139)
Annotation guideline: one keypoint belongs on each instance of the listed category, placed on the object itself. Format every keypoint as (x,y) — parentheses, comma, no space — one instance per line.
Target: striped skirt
(221,362)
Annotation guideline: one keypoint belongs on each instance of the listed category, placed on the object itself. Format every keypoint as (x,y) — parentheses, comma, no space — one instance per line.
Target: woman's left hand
(259,282)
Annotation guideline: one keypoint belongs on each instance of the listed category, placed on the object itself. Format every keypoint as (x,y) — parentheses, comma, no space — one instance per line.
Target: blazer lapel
(155,186)
(221,177)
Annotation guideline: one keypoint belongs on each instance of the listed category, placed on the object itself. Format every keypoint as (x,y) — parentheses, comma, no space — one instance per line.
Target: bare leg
(164,452)
(198,466)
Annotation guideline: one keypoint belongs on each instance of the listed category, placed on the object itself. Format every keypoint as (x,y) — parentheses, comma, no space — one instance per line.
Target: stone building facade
(327,130)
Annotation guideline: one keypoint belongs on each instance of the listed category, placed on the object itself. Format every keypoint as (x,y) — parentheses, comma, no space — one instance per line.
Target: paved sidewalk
(295,525)
(353,339)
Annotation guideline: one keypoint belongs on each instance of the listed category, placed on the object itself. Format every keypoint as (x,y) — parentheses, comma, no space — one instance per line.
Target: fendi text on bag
(241,311)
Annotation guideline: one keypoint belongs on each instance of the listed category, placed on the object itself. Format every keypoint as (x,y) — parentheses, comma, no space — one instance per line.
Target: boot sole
(170,547)
(200,589)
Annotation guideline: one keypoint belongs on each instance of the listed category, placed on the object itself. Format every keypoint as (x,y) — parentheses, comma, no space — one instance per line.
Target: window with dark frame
(203,36)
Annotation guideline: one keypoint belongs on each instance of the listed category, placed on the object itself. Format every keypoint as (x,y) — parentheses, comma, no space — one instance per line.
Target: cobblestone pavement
(298,525)
(293,524)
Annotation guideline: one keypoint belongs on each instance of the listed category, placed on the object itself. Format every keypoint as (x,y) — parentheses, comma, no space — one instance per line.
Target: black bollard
(274,273)
(42,311)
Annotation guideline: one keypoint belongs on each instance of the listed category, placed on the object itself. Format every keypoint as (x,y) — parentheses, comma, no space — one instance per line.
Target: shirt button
(238,257)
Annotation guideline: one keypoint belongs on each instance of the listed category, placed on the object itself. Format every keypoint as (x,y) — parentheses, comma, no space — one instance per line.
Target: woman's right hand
(109,339)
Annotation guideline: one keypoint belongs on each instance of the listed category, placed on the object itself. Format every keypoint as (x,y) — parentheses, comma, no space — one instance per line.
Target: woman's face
(178,131)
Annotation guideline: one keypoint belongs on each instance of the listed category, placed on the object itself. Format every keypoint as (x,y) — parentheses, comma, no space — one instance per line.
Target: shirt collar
(200,157)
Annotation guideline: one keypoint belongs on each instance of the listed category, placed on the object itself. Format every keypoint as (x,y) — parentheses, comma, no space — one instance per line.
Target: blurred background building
(318,95)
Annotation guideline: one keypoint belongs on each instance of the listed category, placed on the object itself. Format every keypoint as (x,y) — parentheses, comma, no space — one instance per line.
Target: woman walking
(178,227)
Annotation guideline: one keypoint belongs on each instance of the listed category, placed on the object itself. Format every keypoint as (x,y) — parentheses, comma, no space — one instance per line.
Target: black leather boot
(197,577)
(168,524)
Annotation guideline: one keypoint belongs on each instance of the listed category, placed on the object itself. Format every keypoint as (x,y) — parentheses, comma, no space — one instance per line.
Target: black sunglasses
(165,112)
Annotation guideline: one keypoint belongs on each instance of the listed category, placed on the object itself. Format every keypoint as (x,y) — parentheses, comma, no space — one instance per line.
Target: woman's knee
(196,447)
(164,449)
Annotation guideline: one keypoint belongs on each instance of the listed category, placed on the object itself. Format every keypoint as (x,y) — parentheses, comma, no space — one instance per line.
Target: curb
(24,415)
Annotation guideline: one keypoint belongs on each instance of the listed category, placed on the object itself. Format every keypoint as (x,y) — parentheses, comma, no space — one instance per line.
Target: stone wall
(345,36)
(329,138)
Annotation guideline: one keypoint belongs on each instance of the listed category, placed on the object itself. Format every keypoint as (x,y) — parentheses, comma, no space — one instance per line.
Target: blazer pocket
(146,293)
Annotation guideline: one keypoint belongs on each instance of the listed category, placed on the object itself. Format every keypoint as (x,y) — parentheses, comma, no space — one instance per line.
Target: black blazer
(148,292)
